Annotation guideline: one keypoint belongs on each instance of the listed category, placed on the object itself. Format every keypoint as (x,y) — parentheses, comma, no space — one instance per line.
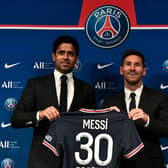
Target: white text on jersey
(95,124)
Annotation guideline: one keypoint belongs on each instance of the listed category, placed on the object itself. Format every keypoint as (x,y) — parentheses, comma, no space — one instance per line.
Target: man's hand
(137,113)
(51,113)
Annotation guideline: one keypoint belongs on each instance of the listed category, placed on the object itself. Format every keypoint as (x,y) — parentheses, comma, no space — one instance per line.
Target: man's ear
(144,73)
(53,57)
(121,71)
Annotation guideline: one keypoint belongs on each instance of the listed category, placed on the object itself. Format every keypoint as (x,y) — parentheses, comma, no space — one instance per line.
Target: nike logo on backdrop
(163,86)
(3,125)
(163,147)
(7,66)
(104,66)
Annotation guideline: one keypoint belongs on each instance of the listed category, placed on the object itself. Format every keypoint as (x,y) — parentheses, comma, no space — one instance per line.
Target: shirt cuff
(37,116)
(147,123)
(37,119)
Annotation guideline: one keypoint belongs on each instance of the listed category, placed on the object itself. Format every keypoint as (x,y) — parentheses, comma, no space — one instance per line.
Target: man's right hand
(51,113)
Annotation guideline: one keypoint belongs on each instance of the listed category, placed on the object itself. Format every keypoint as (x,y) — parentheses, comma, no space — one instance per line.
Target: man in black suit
(150,111)
(39,104)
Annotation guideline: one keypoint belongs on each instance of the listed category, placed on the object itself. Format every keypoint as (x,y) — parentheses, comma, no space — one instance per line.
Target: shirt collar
(138,91)
(58,74)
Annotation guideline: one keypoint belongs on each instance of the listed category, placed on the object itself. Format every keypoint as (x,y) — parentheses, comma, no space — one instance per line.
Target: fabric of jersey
(93,138)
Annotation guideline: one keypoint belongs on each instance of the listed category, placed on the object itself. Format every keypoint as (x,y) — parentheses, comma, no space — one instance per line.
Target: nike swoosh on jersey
(163,86)
(163,147)
(3,125)
(104,66)
(7,66)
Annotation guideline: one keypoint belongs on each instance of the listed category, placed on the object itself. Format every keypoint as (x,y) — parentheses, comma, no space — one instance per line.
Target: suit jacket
(155,104)
(38,94)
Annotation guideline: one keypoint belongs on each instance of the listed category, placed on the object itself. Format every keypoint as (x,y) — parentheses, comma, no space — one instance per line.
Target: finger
(115,108)
(133,113)
(55,111)
(137,116)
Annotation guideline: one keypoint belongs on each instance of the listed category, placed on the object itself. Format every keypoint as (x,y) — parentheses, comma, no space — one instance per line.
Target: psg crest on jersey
(107,26)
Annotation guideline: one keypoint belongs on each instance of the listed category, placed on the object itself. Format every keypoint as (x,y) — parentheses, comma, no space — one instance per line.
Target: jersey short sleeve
(54,138)
(131,141)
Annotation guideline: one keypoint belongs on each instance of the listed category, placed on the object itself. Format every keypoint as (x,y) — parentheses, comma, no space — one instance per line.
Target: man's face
(65,58)
(132,70)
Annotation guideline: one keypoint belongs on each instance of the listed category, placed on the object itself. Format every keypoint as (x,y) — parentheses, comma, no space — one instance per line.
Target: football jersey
(93,138)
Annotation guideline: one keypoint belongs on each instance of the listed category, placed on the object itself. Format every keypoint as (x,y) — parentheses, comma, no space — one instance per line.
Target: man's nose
(65,55)
(132,66)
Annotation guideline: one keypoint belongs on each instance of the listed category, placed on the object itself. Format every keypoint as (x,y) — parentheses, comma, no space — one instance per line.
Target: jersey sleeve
(54,138)
(132,143)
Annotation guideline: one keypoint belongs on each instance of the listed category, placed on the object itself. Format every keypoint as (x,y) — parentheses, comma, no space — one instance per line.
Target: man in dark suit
(39,104)
(149,111)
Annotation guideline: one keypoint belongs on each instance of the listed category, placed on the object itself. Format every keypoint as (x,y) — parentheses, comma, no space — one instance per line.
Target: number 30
(90,154)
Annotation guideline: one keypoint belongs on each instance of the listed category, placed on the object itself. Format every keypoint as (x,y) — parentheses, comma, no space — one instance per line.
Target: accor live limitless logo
(11,85)
(43,65)
(103,85)
(9,144)
(107,26)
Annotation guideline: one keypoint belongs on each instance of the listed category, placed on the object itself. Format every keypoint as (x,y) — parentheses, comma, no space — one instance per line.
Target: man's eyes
(135,64)
(61,52)
(68,53)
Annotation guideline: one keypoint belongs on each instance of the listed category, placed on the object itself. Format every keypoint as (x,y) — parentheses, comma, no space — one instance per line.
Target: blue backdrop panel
(26,52)
(40,12)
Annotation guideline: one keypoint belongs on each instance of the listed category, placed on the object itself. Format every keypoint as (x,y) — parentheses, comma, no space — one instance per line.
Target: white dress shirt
(137,97)
(138,93)
(70,87)
(70,92)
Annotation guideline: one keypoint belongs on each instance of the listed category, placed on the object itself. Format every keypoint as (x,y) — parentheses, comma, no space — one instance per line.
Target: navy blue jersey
(93,138)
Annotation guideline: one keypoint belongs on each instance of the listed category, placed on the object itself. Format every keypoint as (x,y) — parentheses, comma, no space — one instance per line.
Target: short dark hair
(66,39)
(133,52)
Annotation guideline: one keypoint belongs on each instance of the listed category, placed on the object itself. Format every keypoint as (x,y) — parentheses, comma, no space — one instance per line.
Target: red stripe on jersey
(45,143)
(132,153)
(94,111)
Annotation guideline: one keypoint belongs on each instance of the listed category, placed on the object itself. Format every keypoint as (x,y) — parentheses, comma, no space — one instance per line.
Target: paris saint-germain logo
(107,26)
(10,104)
(7,163)
(165,66)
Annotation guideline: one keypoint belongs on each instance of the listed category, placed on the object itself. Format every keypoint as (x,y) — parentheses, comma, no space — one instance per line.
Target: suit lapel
(52,90)
(122,101)
(76,96)
(143,98)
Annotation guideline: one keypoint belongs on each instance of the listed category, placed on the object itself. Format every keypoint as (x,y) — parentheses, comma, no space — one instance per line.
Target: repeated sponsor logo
(7,163)
(9,144)
(163,147)
(10,104)
(165,65)
(78,66)
(103,66)
(43,65)
(103,85)
(9,66)
(163,86)
(11,84)
(5,125)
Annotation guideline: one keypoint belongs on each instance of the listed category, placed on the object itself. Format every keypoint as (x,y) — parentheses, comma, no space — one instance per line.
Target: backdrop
(104,29)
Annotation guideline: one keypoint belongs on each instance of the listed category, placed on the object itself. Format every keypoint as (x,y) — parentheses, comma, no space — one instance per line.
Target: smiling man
(149,110)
